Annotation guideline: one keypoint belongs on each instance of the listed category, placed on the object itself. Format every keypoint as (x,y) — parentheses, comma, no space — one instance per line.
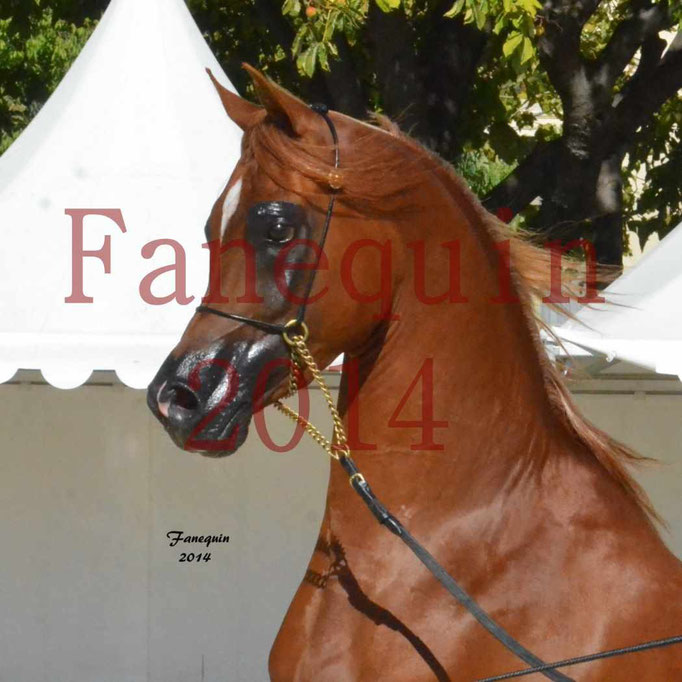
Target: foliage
(36,49)
(517,20)
(319,22)
(511,102)
(482,169)
(653,193)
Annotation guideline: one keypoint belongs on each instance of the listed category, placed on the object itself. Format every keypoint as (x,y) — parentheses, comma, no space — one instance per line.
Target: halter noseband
(296,322)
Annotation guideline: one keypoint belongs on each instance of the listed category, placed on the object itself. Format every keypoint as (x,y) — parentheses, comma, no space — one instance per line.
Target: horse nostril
(183,397)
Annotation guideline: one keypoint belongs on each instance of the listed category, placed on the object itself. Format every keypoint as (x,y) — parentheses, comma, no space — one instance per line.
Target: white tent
(639,322)
(90,484)
(135,125)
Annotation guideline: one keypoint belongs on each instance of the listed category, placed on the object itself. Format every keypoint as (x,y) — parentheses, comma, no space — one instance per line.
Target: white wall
(89,589)
(89,487)
(652,425)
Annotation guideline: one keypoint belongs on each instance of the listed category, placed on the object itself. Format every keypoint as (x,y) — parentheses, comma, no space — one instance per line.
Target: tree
(617,85)
(567,113)
(37,46)
(468,78)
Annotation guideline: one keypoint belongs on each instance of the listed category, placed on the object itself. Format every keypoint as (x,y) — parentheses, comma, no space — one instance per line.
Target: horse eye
(281,232)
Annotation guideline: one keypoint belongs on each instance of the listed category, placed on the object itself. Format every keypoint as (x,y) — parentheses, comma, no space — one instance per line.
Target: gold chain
(301,359)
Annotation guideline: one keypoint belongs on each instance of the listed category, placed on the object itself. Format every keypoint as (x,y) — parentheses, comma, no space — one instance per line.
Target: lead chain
(301,359)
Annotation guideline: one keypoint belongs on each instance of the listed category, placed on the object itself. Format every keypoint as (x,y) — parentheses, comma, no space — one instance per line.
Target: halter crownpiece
(335,178)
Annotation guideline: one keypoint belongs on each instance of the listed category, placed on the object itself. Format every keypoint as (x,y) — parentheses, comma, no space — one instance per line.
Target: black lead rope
(655,644)
(387,519)
(381,513)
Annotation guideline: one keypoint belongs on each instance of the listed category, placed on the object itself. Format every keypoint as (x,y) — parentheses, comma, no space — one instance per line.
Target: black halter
(290,327)
(384,516)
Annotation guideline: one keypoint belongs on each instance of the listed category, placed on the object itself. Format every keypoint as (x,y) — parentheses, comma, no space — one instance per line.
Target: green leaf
(291,7)
(300,60)
(500,24)
(298,40)
(308,60)
(512,42)
(455,9)
(323,58)
(528,50)
(478,9)
(388,5)
(279,54)
(330,26)
(531,6)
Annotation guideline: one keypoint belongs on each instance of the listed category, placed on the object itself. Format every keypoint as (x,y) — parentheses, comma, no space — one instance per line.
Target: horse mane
(377,180)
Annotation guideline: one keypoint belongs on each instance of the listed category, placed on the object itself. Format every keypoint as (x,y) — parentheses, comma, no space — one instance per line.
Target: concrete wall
(90,591)
(652,425)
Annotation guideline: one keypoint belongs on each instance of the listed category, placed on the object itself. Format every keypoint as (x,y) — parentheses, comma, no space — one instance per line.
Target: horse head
(265,233)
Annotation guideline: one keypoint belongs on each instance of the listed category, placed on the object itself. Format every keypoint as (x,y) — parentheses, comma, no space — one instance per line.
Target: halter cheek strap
(296,322)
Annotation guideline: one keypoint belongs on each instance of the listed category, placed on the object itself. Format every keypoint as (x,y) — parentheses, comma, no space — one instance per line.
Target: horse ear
(240,110)
(289,112)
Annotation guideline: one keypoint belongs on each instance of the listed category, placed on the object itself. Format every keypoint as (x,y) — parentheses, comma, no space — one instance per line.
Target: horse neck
(502,474)
(487,380)
(501,471)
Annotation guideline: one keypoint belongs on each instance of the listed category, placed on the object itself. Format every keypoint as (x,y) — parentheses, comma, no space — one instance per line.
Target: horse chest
(305,649)
(326,637)
(342,627)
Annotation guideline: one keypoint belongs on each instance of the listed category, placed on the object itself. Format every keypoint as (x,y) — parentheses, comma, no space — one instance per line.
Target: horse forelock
(375,175)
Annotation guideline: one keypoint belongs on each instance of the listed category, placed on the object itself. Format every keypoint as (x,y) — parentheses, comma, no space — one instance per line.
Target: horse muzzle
(205,399)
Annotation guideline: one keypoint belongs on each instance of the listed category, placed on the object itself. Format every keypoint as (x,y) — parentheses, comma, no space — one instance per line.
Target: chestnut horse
(487,461)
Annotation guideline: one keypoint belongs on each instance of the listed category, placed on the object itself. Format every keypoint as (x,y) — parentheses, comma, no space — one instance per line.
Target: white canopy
(135,125)
(641,322)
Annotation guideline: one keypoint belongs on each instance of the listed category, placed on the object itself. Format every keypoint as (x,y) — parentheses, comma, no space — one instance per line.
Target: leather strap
(381,513)
(611,653)
(269,327)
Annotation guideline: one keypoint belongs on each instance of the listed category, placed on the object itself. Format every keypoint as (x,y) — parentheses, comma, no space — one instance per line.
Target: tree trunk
(391,43)
(425,72)
(608,223)
(449,55)
(584,199)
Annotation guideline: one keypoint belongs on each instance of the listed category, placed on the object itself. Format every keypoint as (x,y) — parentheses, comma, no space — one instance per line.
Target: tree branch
(559,45)
(649,59)
(528,181)
(644,23)
(649,90)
